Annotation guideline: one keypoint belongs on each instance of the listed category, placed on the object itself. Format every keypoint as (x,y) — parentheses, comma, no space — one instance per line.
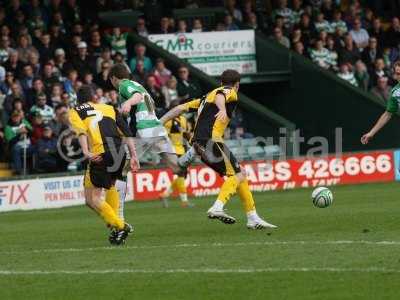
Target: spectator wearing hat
(42,108)
(60,62)
(46,148)
(82,62)
(140,55)
(16,134)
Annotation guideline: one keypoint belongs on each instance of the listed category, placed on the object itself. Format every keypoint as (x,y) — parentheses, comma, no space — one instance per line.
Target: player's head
(85,94)
(230,78)
(117,73)
(396,70)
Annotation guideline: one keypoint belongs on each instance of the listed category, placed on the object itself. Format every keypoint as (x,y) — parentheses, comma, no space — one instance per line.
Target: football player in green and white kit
(150,133)
(392,106)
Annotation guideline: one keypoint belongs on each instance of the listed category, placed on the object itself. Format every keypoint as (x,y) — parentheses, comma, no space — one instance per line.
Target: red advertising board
(351,168)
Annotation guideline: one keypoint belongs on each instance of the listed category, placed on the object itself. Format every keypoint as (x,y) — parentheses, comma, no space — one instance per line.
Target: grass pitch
(347,251)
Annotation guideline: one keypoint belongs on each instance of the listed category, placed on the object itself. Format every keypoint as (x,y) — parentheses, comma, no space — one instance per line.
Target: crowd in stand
(48,49)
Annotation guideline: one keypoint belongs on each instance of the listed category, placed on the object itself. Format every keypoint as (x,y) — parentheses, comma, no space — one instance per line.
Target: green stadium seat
(256,152)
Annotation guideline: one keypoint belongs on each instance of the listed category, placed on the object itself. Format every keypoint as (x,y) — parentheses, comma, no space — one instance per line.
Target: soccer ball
(322,197)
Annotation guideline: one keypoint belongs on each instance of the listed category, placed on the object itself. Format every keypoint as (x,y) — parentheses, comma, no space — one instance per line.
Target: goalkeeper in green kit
(151,136)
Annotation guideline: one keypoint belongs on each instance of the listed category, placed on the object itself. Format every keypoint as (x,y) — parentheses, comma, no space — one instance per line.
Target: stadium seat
(248,142)
(256,152)
(232,143)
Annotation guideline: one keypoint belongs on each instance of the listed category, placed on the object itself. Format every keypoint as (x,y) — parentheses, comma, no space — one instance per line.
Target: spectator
(297,11)
(88,80)
(141,27)
(230,6)
(298,47)
(284,12)
(95,46)
(187,87)
(382,90)
(361,75)
(155,93)
(377,31)
(5,48)
(182,26)
(229,24)
(320,55)
(349,53)
(33,60)
(47,151)
(37,88)
(17,136)
(58,124)
(15,93)
(24,48)
(337,25)
(5,86)
(140,74)
(307,29)
(360,35)
(37,128)
(371,53)
(117,40)
(280,38)
(161,73)
(48,77)
(46,50)
(393,34)
(113,97)
(164,26)
(13,64)
(105,56)
(101,78)
(321,24)
(18,105)
(333,55)
(83,62)
(56,93)
(43,109)
(27,78)
(197,26)
(140,55)
(60,62)
(170,91)
(69,82)
(346,74)
(101,98)
(378,71)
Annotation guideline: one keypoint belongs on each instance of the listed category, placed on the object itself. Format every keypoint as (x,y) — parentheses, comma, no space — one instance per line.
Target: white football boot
(221,215)
(256,222)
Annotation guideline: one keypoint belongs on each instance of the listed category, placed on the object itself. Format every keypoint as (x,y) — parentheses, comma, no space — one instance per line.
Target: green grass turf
(184,240)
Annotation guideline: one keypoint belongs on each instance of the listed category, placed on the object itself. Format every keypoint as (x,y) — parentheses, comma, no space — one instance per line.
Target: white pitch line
(238,244)
(217,271)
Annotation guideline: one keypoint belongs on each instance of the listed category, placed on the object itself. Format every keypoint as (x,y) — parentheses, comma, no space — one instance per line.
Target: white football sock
(183,197)
(218,205)
(186,159)
(121,189)
(252,215)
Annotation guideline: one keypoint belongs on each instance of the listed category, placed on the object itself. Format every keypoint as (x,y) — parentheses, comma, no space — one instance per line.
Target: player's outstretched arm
(382,121)
(173,113)
(127,105)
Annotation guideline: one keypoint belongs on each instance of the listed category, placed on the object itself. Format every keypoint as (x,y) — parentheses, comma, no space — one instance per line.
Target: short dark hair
(120,71)
(85,94)
(230,77)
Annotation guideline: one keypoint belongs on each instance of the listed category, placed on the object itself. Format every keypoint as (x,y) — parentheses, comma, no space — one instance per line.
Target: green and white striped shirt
(321,57)
(143,117)
(349,76)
